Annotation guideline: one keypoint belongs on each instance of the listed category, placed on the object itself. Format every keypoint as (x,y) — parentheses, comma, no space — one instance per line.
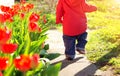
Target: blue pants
(71,42)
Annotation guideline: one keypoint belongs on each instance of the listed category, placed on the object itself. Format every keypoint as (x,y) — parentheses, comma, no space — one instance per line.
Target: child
(71,13)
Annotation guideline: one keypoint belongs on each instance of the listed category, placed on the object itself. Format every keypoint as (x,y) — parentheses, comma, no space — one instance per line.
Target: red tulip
(15,9)
(22,15)
(1,74)
(34,17)
(24,9)
(4,35)
(11,19)
(5,8)
(30,6)
(22,1)
(35,60)
(2,20)
(16,6)
(3,63)
(4,17)
(33,27)
(7,16)
(44,19)
(8,48)
(39,29)
(22,63)
(13,12)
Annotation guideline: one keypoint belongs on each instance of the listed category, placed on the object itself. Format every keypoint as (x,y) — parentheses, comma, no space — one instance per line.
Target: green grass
(104,37)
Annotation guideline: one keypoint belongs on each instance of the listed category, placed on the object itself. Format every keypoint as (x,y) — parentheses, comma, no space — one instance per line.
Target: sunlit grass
(104,37)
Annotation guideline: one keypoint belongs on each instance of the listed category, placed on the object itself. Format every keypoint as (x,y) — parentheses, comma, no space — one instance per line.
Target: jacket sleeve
(59,12)
(88,8)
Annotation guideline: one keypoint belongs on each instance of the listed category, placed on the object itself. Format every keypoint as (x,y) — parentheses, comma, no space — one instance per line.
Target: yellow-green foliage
(115,62)
(108,13)
(104,36)
(103,45)
(97,20)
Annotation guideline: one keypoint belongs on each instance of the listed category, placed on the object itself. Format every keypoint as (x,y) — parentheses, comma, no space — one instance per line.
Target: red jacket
(71,13)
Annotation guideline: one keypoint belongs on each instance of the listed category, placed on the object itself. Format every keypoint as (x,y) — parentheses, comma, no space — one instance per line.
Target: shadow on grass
(100,63)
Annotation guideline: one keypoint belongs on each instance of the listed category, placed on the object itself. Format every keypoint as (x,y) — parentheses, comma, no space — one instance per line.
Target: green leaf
(46,47)
(40,66)
(30,73)
(35,45)
(19,73)
(9,71)
(44,30)
(43,52)
(20,48)
(36,71)
(28,43)
(52,56)
(52,70)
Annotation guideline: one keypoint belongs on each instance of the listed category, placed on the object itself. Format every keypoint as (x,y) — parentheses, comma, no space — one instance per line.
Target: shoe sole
(81,52)
(69,59)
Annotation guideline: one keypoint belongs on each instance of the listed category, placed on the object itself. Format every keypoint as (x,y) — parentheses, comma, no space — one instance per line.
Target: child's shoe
(69,58)
(80,51)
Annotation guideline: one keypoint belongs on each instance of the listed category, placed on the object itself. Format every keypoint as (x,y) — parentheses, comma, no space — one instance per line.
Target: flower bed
(22,42)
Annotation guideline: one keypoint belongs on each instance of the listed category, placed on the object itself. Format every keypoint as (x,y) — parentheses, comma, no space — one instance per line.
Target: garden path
(81,66)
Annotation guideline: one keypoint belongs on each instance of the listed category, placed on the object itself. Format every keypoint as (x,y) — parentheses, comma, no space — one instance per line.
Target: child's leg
(81,41)
(69,43)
